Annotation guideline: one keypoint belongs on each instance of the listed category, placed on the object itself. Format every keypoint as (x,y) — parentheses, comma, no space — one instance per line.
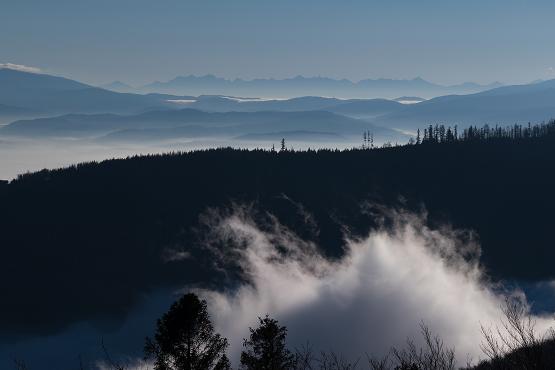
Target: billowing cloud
(20,67)
(370,299)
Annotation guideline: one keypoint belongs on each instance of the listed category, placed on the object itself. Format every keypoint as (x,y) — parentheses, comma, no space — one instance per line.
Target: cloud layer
(20,67)
(372,298)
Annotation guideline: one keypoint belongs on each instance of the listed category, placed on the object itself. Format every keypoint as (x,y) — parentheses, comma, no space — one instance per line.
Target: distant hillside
(55,95)
(367,108)
(505,106)
(219,103)
(118,86)
(11,113)
(164,125)
(10,110)
(303,86)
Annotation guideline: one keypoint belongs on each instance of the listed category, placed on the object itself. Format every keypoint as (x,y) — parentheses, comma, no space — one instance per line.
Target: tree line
(447,134)
(441,134)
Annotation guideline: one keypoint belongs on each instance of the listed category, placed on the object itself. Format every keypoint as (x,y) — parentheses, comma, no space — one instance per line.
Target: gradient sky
(138,41)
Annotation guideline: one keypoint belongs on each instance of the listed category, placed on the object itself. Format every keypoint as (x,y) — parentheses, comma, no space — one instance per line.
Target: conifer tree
(185,339)
(266,349)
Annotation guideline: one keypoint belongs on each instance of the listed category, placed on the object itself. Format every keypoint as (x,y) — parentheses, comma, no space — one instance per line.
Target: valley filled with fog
(22,155)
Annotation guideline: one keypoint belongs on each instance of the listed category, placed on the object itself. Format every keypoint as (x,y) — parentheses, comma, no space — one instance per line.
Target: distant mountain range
(303,86)
(66,107)
(504,106)
(190,123)
(357,108)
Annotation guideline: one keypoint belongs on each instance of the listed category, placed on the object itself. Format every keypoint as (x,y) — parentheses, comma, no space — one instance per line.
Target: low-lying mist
(18,156)
(373,297)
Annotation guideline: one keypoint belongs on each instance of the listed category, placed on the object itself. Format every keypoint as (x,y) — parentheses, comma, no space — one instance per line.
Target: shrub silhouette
(185,339)
(516,344)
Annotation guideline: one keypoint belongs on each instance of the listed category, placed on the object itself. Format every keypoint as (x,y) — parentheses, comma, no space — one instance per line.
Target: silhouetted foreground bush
(538,356)
(516,344)
(185,340)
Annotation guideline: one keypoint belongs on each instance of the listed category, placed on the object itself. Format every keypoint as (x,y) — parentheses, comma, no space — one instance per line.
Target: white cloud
(20,67)
(181,101)
(372,298)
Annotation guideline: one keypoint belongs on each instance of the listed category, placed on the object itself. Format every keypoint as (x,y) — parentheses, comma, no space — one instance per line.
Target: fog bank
(372,298)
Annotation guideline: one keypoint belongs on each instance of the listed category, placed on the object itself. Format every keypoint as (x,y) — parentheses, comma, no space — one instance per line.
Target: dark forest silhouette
(107,225)
(448,134)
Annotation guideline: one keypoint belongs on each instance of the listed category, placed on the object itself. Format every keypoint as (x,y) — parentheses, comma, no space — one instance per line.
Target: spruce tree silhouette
(185,339)
(265,349)
(283,148)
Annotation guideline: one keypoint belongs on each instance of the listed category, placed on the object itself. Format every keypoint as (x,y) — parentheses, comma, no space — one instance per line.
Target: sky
(139,41)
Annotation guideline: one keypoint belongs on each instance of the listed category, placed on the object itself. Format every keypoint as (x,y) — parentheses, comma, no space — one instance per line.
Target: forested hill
(91,237)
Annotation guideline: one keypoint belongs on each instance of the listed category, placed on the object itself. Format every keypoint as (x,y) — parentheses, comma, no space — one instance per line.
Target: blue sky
(138,41)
